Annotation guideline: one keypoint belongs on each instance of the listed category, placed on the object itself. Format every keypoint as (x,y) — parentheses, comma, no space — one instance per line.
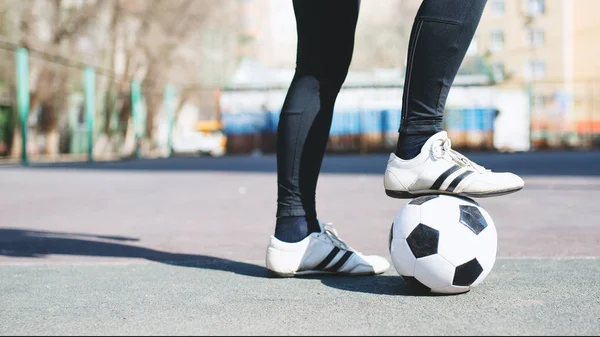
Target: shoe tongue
(324,226)
(442,135)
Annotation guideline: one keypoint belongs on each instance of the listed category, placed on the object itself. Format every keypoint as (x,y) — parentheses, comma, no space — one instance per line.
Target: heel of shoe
(399,194)
(272,274)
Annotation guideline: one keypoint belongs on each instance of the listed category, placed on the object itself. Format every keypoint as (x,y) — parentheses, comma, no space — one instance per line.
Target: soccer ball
(443,244)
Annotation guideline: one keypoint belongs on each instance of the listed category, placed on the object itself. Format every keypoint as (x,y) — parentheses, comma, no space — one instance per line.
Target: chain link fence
(75,117)
(8,111)
(77,112)
(565,115)
(506,117)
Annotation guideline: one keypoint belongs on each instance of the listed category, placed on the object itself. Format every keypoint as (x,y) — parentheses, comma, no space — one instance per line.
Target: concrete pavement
(176,247)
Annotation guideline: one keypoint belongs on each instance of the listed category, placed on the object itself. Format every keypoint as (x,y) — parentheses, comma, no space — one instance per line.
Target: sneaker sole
(411,195)
(273,274)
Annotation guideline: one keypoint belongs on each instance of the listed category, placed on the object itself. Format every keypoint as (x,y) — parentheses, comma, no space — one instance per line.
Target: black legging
(441,34)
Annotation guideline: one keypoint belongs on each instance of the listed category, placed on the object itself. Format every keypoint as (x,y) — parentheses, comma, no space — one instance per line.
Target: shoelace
(444,147)
(331,234)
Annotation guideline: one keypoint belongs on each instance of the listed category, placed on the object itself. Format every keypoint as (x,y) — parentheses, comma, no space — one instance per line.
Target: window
(498,7)
(540,101)
(536,69)
(496,40)
(537,101)
(534,37)
(534,7)
(498,72)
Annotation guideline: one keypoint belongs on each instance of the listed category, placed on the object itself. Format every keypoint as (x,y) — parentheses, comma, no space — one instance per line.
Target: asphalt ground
(176,246)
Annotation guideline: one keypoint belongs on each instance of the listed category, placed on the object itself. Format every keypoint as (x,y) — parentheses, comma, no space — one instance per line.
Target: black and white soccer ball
(443,244)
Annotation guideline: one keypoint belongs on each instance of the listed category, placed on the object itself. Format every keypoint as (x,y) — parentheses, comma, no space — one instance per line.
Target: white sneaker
(440,170)
(320,253)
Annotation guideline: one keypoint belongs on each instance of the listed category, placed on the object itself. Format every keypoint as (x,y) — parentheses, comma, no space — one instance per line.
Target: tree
(158,43)
(382,33)
(153,41)
(47,28)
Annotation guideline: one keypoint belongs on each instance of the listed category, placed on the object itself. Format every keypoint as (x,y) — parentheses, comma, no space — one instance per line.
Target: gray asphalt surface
(176,246)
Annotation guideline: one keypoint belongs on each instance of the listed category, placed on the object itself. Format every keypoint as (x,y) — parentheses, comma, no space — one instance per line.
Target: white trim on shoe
(440,170)
(320,253)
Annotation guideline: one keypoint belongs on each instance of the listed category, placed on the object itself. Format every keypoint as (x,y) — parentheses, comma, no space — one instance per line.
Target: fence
(507,117)
(367,119)
(362,131)
(53,108)
(7,97)
(565,115)
(67,110)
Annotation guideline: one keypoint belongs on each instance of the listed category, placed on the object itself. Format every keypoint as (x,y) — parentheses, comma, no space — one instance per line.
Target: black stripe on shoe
(328,259)
(341,262)
(457,180)
(440,180)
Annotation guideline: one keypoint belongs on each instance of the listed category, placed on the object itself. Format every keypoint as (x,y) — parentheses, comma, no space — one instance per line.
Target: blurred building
(541,53)
(381,39)
(368,109)
(550,48)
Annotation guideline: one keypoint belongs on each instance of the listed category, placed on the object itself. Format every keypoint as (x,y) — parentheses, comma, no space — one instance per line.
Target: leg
(441,34)
(325,45)
(300,246)
(424,162)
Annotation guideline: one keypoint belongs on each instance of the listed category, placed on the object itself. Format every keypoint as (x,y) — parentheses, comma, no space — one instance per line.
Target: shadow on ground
(37,244)
(552,163)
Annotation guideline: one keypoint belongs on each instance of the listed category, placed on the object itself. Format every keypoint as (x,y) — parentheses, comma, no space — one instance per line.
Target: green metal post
(23,98)
(168,102)
(90,108)
(135,114)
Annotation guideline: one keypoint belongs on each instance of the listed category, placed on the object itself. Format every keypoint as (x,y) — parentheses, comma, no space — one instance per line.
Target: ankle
(295,228)
(409,146)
